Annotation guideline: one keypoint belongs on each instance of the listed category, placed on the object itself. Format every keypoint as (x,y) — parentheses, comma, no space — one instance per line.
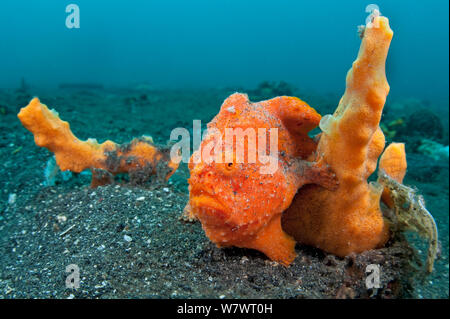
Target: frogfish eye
(227,168)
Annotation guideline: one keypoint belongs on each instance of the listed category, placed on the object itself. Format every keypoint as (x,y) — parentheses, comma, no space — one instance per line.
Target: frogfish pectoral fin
(318,173)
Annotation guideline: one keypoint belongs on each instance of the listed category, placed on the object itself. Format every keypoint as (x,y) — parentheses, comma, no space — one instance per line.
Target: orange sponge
(349,219)
(104,160)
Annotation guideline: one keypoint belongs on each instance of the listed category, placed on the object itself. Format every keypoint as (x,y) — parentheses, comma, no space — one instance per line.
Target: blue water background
(204,43)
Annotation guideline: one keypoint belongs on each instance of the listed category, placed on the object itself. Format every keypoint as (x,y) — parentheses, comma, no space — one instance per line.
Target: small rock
(140,198)
(127,238)
(61,219)
(330,260)
(12,199)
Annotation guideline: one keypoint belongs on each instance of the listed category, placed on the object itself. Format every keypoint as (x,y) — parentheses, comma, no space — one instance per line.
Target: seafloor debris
(140,158)
(410,213)
(406,209)
(433,149)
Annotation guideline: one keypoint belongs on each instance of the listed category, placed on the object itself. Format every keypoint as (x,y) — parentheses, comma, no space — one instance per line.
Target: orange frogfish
(239,196)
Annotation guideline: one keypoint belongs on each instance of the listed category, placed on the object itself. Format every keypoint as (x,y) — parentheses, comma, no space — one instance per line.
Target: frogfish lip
(209,210)
(205,204)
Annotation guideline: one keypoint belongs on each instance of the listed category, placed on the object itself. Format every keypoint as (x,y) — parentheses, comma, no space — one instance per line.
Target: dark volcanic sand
(129,242)
(165,257)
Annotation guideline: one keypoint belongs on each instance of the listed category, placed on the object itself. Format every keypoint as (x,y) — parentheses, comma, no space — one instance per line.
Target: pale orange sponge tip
(140,158)
(393,163)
